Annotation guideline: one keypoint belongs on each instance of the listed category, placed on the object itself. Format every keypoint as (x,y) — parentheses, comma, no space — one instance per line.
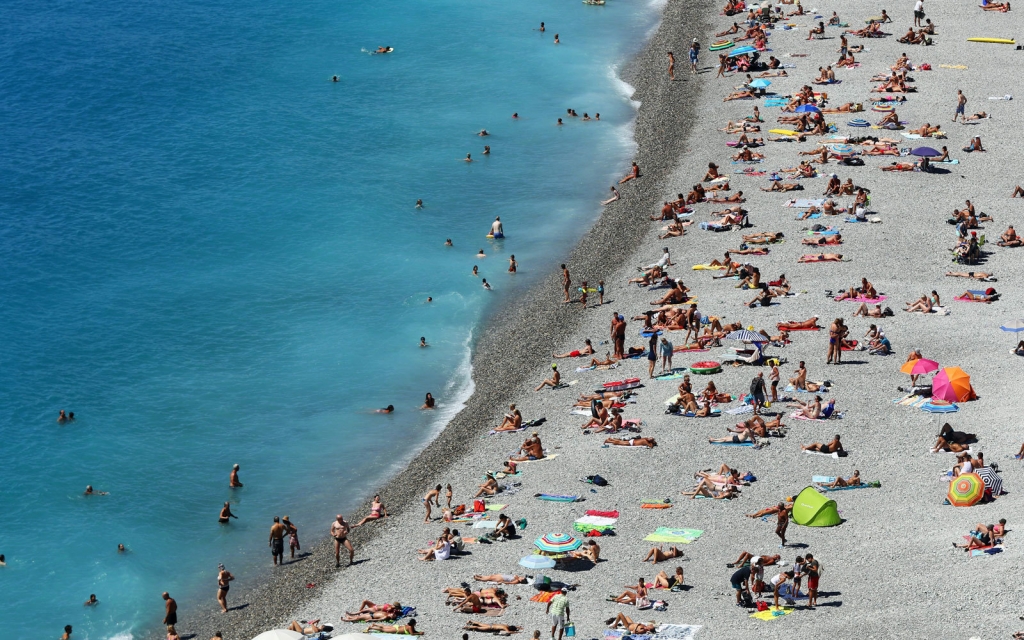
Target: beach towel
(950,161)
(706,267)
(732,444)
(822,479)
(863,299)
(656,506)
(743,408)
(544,596)
(485,524)
(555,497)
(939,408)
(987,551)
(674,535)
(610,516)
(675,632)
(673,375)
(803,203)
(549,456)
(866,485)
(495,507)
(773,613)
(776,102)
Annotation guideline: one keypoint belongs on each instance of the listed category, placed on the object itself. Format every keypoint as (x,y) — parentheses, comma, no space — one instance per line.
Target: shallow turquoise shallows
(209,251)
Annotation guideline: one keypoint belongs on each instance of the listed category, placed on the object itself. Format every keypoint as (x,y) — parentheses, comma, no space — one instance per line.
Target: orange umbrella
(919,366)
(953,385)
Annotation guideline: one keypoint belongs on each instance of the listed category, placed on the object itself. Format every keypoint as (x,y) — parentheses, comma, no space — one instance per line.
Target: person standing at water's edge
(339,531)
(671,66)
(566,282)
(234,482)
(224,579)
(276,541)
(293,536)
(170,610)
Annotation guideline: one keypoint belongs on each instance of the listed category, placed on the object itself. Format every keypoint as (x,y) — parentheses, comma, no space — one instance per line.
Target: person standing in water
(497,231)
(276,541)
(225,514)
(234,483)
(513,266)
(224,579)
(293,536)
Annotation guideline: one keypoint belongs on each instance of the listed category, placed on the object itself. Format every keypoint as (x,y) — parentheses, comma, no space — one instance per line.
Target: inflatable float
(620,385)
(705,367)
(993,40)
(721,44)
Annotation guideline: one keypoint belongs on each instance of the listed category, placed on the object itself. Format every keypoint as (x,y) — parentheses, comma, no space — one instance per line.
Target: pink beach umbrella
(919,367)
(952,384)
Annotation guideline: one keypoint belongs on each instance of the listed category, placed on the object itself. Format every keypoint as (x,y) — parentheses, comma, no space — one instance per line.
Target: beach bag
(762,605)
(459,510)
(478,506)
(570,629)
(643,603)
(598,480)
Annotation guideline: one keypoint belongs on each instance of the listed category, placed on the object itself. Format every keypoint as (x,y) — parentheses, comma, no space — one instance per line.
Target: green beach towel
(674,535)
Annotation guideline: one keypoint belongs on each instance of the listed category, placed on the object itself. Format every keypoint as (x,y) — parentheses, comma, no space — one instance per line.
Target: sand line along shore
(517,338)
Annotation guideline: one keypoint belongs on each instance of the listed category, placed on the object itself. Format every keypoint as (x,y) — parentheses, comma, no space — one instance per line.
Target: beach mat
(772,613)
(554,497)
(732,444)
(828,455)
(677,535)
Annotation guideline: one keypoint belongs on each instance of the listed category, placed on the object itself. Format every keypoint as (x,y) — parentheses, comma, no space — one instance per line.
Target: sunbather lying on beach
(833,446)
(665,581)
(980,297)
(925,130)
(311,627)
(852,481)
(740,127)
(708,490)
(811,323)
(736,197)
(650,443)
(742,94)
(843,108)
(994,6)
(869,312)
(400,629)
(900,166)
(747,558)
(501,578)
(588,349)
(724,475)
(763,237)
(370,616)
(922,304)
(746,155)
(500,629)
(627,623)
(745,435)
(821,257)
(772,510)
(758,426)
(824,240)
(784,186)
(656,554)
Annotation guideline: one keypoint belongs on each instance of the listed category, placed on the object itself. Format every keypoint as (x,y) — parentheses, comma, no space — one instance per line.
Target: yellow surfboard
(783,132)
(993,40)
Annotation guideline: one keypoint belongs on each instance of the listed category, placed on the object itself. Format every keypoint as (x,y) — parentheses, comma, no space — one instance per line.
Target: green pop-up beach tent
(812,509)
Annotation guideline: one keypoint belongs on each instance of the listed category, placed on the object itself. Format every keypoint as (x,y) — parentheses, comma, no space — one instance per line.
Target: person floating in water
(384,49)
(388,409)
(497,231)
(89,491)
(423,341)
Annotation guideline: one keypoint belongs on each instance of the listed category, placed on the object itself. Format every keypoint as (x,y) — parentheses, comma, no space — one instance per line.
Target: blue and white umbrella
(1014,326)
(761,83)
(746,336)
(537,562)
(807,108)
(741,51)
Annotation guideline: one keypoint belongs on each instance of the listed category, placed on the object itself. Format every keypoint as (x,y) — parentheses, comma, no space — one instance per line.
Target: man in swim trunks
(225,514)
(276,541)
(497,232)
(339,531)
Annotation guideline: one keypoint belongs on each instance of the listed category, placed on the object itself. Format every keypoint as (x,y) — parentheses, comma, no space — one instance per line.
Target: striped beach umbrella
(557,543)
(1013,326)
(966,490)
(991,480)
(747,336)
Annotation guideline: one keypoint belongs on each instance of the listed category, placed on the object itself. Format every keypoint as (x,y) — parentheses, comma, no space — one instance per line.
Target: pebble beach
(889,567)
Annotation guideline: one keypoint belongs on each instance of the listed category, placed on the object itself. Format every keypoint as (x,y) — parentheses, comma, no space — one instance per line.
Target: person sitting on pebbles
(838,483)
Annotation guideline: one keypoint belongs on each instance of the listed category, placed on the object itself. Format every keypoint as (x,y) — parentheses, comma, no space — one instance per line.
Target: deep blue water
(209,252)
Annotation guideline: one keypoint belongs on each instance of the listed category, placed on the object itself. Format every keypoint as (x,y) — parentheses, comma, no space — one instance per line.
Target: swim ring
(721,44)
(859,123)
(707,366)
(883,108)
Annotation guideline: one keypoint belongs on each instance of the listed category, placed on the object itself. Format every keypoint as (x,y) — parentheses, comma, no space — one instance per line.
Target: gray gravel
(890,570)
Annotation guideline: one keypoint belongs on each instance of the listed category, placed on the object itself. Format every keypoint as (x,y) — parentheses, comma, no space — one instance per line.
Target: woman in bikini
(632,593)
(637,628)
(664,581)
(500,629)
(400,629)
(377,511)
(656,555)
(650,443)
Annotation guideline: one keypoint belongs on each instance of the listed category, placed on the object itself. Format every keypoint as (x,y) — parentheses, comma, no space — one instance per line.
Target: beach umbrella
(761,83)
(926,152)
(952,385)
(279,634)
(991,480)
(807,108)
(919,367)
(966,490)
(537,562)
(742,51)
(746,336)
(1013,326)
(557,543)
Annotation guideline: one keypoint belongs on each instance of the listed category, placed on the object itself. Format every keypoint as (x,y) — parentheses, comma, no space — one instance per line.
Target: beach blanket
(804,203)
(596,521)
(776,102)
(863,299)
(987,551)
(656,506)
(675,632)
(673,375)
(939,408)
(866,485)
(549,456)
(544,596)
(485,524)
(732,444)
(772,613)
(495,507)
(674,535)
(603,514)
(743,408)
(822,479)
(554,497)
(705,267)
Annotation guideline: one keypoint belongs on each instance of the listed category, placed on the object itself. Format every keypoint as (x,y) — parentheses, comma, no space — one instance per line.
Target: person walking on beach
(961,105)
(276,541)
(558,609)
(757,391)
(234,482)
(170,610)
(339,531)
(293,536)
(782,523)
(918,13)
(224,579)
(694,52)
(666,355)
(566,282)
(671,66)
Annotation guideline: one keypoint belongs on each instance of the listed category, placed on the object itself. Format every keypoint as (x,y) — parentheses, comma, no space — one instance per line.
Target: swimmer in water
(92,600)
(448,242)
(497,230)
(556,39)
(515,116)
(542,26)
(586,116)
(559,122)
(225,514)
(388,409)
(335,78)
(483,132)
(513,266)
(486,286)
(90,492)
(468,158)
(480,254)
(487,150)
(430,299)
(62,417)
(3,560)
(597,116)
(476,270)
(419,203)
(120,548)
(384,50)
(233,481)
(423,342)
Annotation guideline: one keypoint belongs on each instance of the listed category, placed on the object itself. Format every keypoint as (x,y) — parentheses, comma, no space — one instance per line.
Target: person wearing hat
(552,381)
(558,609)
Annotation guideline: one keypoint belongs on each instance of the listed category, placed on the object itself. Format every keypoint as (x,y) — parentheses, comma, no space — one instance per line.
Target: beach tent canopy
(952,384)
(279,634)
(812,509)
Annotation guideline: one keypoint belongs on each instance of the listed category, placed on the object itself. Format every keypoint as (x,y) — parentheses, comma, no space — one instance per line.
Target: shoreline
(516,336)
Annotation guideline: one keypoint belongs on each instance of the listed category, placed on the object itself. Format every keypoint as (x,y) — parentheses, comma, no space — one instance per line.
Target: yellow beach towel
(773,613)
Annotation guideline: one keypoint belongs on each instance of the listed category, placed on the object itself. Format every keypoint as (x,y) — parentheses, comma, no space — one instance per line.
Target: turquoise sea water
(209,252)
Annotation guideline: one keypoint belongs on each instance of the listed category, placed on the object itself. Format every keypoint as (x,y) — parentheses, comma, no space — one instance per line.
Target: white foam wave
(124,635)
(622,87)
